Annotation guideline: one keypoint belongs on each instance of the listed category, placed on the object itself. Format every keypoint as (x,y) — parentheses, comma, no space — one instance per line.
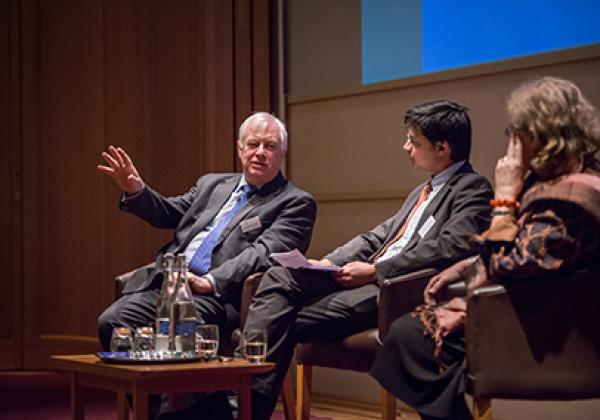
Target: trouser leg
(131,310)
(213,406)
(338,315)
(210,310)
(274,308)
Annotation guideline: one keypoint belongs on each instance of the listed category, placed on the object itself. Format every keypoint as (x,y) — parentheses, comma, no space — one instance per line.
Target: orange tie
(422,197)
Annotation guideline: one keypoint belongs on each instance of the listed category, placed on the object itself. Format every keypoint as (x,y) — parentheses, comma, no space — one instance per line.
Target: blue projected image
(391,39)
(402,38)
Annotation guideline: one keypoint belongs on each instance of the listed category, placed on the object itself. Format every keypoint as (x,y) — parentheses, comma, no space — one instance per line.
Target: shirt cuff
(125,198)
(212,281)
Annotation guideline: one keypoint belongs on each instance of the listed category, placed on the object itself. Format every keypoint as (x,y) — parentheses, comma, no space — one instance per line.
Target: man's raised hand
(121,169)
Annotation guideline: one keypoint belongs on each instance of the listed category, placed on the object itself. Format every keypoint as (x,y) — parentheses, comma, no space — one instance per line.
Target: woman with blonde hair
(545,218)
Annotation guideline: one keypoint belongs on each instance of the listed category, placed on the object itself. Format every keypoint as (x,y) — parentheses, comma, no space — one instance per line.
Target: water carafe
(182,312)
(163,303)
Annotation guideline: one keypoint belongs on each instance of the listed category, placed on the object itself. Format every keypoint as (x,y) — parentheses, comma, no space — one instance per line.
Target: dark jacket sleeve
(158,210)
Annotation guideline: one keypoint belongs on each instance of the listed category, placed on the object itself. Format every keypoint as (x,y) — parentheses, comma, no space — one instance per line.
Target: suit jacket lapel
(405,210)
(267,192)
(253,202)
(444,192)
(217,199)
(402,214)
(436,202)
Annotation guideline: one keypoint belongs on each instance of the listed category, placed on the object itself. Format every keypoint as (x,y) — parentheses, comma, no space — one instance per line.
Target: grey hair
(264,118)
(565,124)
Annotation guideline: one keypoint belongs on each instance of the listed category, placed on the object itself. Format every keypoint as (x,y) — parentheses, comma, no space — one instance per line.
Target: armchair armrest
(250,285)
(400,295)
(122,278)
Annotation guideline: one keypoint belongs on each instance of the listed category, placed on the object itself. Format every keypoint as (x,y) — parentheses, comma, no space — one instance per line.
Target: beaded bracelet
(500,202)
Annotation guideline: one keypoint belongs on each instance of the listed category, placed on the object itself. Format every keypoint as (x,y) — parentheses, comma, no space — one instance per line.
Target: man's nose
(407,146)
(261,149)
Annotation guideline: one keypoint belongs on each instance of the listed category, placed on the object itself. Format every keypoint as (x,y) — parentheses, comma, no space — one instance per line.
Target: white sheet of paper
(295,260)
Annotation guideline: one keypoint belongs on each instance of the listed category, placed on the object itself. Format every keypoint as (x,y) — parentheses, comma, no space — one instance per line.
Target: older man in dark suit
(227,225)
(428,231)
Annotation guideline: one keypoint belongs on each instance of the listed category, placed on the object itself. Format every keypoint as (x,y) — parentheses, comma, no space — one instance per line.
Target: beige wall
(346,149)
(325,40)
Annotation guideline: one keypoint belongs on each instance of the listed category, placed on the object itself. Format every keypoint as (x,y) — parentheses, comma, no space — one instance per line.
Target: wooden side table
(141,380)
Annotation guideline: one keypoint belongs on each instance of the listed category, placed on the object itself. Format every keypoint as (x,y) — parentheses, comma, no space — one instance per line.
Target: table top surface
(90,363)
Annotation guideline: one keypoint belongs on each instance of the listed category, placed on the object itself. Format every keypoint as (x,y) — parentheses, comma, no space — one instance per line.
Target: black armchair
(535,339)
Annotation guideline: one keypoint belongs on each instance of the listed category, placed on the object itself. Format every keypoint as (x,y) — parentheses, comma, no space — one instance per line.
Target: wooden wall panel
(261,56)
(218,90)
(129,77)
(254,31)
(10,188)
(62,218)
(243,58)
(161,79)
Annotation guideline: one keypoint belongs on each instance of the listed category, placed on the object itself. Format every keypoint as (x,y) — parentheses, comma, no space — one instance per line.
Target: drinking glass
(121,340)
(255,345)
(207,340)
(144,341)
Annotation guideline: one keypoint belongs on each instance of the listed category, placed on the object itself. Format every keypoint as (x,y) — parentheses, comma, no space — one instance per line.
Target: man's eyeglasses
(269,146)
(412,141)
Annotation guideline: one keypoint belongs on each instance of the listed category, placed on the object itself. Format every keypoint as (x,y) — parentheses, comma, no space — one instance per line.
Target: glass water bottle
(182,310)
(163,303)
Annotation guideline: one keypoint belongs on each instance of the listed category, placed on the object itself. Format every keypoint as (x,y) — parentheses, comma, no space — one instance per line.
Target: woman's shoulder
(581,189)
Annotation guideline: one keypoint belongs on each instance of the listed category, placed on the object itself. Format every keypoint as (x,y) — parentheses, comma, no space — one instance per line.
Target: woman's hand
(450,275)
(510,171)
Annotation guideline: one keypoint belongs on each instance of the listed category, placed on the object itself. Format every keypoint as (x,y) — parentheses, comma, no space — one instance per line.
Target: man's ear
(442,146)
(239,149)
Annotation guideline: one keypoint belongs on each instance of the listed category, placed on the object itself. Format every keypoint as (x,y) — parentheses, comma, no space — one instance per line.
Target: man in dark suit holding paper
(226,224)
(429,230)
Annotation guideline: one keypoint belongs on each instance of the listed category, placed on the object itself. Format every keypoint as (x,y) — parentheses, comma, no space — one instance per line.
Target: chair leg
(303,390)
(287,397)
(388,405)
(482,409)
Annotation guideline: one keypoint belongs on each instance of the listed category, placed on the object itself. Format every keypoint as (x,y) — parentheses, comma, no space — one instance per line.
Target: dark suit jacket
(461,208)
(286,215)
